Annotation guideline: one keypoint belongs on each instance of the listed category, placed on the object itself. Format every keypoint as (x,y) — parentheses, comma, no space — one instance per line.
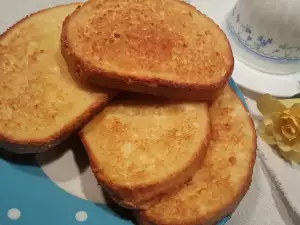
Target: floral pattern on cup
(264,46)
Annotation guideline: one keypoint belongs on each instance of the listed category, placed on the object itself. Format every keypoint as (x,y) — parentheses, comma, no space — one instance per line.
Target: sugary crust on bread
(142,197)
(86,71)
(39,145)
(213,215)
(33,145)
(138,194)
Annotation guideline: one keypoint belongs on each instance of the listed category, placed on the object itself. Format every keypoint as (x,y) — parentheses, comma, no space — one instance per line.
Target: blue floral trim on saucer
(259,44)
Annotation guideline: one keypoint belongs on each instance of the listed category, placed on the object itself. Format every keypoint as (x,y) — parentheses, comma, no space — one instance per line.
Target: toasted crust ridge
(104,69)
(218,186)
(141,165)
(26,77)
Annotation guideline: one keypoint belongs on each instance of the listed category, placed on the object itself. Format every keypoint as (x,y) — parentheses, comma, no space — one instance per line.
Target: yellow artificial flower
(281,125)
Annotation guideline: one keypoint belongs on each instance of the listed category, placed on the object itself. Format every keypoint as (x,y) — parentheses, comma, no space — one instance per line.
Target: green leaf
(284,46)
(296,96)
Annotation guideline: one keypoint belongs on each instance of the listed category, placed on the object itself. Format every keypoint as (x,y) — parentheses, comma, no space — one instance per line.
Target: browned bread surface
(225,176)
(160,47)
(141,146)
(40,104)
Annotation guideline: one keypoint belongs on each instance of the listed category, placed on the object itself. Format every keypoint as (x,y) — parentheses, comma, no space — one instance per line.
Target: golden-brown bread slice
(159,47)
(225,176)
(141,146)
(40,104)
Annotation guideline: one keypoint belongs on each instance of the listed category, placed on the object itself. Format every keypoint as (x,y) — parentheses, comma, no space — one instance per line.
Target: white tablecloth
(263,205)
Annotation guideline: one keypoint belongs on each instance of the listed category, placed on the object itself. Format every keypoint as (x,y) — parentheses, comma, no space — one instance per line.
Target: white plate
(245,76)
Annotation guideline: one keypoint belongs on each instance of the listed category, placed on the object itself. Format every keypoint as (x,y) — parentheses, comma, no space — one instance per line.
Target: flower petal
(265,131)
(288,103)
(295,110)
(291,156)
(292,121)
(266,104)
(289,132)
(296,147)
(284,147)
(266,137)
(276,130)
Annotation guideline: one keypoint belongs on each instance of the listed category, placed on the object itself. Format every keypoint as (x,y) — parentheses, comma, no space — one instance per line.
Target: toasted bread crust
(217,214)
(86,72)
(14,144)
(39,145)
(141,197)
(139,194)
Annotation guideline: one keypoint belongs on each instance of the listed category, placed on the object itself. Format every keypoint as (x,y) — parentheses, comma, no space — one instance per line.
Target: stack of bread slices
(145,84)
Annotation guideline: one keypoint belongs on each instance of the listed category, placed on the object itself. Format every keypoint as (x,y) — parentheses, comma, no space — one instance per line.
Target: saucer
(245,76)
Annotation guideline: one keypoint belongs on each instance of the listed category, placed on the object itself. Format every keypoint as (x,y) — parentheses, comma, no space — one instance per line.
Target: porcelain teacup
(265,34)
